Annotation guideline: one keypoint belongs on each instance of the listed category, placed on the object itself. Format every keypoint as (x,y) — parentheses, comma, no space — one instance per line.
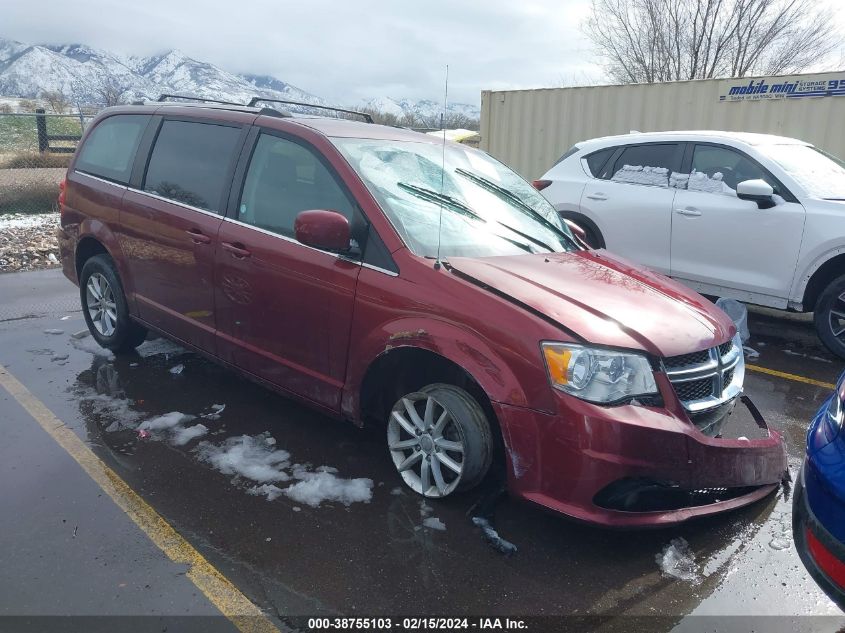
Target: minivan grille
(706,379)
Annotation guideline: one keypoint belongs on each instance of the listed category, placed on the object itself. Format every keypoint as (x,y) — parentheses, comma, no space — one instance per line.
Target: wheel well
(406,369)
(587,224)
(85,250)
(828,271)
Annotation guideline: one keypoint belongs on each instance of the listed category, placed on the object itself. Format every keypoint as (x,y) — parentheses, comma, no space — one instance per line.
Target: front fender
(458,345)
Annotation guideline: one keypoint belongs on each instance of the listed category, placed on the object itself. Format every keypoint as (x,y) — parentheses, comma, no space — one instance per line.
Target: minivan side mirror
(323,229)
(758,191)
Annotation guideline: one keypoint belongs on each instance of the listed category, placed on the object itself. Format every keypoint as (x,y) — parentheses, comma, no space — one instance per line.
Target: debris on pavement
(28,241)
(177,369)
(53,331)
(80,335)
(738,314)
(492,536)
(434,523)
(678,561)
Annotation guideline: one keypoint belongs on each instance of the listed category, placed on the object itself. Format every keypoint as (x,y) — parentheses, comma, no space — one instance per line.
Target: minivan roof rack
(165,97)
(364,115)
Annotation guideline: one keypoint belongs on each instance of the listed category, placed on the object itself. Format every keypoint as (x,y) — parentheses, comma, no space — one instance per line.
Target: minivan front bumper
(633,465)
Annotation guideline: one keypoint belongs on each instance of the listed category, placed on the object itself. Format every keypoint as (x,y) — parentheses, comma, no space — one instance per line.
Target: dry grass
(34,160)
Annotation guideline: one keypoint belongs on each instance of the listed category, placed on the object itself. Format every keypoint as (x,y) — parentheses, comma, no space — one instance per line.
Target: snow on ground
(27,220)
(677,560)
(255,459)
(435,524)
(173,426)
(658,176)
(160,346)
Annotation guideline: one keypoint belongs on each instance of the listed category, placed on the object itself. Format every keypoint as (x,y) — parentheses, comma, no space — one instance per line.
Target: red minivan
(389,280)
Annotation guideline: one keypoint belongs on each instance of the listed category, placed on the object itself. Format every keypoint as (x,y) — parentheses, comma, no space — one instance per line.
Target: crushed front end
(697,448)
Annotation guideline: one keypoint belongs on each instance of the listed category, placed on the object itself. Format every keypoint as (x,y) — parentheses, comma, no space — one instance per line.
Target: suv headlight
(598,375)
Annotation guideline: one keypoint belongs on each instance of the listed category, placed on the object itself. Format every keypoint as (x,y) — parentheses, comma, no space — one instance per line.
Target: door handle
(597,196)
(689,211)
(237,250)
(197,236)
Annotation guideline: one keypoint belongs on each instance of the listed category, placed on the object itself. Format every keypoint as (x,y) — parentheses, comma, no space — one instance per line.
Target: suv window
(597,160)
(109,150)
(283,179)
(725,165)
(189,162)
(568,153)
(645,164)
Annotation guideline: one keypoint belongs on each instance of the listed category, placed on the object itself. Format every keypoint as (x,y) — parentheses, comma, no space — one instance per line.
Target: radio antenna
(437,262)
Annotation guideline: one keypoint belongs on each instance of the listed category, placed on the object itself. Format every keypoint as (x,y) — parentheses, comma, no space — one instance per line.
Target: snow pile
(113,408)
(27,220)
(174,425)
(637,174)
(699,181)
(678,181)
(254,458)
(678,561)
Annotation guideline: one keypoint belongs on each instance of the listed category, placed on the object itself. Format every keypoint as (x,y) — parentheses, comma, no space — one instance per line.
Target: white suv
(753,217)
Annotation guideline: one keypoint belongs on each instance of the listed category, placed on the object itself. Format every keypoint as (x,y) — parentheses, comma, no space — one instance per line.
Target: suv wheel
(440,440)
(830,316)
(104,306)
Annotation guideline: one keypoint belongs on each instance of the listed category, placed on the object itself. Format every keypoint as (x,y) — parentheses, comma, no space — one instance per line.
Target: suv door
(285,309)
(721,242)
(631,202)
(169,225)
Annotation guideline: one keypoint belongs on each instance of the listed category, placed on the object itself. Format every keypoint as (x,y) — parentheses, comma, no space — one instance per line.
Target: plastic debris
(738,314)
(143,434)
(80,334)
(177,369)
(54,331)
(492,536)
(434,523)
(678,561)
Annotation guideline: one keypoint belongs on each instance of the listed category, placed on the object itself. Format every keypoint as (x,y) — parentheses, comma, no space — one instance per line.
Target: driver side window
(720,170)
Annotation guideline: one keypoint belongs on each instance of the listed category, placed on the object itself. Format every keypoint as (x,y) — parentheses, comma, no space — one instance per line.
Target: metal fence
(35,149)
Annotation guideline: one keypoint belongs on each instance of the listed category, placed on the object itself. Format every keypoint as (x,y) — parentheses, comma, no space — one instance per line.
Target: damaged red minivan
(385,279)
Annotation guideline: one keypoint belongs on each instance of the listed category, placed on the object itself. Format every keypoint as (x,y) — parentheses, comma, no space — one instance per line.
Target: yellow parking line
(247,617)
(783,374)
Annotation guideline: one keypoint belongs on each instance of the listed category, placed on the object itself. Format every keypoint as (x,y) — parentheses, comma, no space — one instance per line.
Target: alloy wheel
(101,305)
(426,444)
(837,317)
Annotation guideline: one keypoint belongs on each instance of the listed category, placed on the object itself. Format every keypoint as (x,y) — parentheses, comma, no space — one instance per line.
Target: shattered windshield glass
(487,209)
(822,175)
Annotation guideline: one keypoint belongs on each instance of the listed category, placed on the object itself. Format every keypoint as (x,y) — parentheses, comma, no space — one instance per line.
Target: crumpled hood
(605,300)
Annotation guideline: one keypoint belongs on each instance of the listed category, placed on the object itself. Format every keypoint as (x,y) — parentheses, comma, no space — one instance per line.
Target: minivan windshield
(487,209)
(822,175)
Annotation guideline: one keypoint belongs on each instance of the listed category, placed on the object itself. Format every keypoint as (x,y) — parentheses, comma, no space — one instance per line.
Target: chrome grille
(708,378)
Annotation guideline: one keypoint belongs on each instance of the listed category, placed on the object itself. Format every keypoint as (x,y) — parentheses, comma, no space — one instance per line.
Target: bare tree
(644,41)
(102,90)
(57,101)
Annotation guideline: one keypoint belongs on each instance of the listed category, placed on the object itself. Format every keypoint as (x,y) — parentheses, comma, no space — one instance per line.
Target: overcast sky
(343,50)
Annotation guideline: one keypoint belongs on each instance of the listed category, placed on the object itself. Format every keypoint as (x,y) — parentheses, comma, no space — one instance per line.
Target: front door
(285,309)
(727,246)
(169,227)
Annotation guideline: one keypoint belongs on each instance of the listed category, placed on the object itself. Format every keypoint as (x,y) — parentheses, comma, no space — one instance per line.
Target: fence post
(41,126)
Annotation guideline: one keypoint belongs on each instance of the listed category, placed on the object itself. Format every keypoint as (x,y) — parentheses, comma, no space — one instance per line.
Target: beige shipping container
(530,129)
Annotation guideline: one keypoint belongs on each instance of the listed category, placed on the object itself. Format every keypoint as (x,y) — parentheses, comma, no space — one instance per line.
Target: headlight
(598,375)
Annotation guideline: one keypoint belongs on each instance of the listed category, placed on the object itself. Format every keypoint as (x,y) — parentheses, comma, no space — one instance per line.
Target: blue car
(818,507)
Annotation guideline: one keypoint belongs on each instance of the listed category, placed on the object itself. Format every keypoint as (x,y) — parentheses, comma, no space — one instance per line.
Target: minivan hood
(605,300)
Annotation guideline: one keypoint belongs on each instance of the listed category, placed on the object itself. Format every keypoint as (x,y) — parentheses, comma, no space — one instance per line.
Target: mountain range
(80,73)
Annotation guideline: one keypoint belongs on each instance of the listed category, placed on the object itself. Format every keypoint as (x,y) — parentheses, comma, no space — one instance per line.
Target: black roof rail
(165,97)
(364,115)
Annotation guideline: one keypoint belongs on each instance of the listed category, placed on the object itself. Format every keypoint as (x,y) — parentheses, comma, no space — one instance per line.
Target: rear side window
(109,150)
(283,179)
(190,161)
(597,160)
(646,164)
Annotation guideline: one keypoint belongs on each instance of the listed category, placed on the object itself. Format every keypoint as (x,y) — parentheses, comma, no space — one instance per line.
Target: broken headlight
(598,375)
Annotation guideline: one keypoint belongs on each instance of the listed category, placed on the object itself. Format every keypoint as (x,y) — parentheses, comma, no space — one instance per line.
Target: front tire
(440,440)
(829,316)
(104,306)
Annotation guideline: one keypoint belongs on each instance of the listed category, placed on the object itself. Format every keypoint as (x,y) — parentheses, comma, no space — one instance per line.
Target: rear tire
(440,440)
(829,317)
(104,306)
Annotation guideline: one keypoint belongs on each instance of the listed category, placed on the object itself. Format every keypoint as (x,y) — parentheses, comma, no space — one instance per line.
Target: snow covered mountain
(80,72)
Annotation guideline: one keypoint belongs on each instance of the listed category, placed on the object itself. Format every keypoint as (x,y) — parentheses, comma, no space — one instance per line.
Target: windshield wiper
(511,197)
(454,204)
(835,199)
(440,198)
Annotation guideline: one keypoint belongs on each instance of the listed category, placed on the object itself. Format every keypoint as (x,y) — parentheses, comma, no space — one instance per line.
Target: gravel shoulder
(28,242)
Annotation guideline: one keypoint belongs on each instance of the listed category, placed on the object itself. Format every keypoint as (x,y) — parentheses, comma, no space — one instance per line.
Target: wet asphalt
(65,548)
